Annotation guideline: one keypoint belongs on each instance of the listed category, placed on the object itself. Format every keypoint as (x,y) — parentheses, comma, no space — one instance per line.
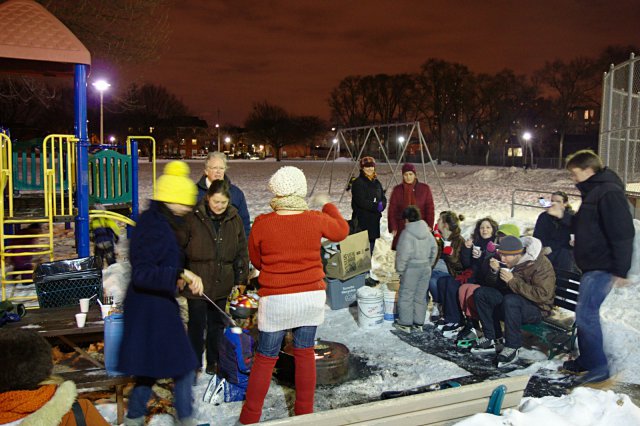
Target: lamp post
(227,141)
(218,129)
(400,142)
(101,86)
(526,137)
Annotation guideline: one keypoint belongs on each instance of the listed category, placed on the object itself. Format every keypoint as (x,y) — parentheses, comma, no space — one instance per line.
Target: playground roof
(31,33)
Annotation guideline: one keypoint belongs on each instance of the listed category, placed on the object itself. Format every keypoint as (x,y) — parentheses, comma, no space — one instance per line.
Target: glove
(491,247)
(380,206)
(447,251)
(318,200)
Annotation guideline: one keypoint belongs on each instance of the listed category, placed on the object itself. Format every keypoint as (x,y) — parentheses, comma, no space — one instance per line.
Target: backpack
(235,357)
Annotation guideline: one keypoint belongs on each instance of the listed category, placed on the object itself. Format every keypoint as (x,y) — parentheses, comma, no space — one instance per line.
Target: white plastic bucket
(390,304)
(370,307)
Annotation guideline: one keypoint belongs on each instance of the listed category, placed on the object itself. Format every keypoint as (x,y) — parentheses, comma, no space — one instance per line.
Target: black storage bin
(65,282)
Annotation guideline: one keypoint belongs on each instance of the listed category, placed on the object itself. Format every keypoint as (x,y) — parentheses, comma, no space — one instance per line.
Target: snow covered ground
(475,192)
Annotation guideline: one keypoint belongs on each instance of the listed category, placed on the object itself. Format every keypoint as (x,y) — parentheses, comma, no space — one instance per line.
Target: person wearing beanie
(29,394)
(216,249)
(215,168)
(409,193)
(284,246)
(155,344)
(509,229)
(368,201)
(525,298)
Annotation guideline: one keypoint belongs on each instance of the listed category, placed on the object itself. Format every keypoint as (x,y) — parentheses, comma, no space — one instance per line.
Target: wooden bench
(97,378)
(558,332)
(433,408)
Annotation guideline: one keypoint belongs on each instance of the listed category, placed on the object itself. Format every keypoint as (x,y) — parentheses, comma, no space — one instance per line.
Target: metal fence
(620,122)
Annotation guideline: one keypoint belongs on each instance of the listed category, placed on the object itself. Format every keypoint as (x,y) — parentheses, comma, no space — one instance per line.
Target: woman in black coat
(367,200)
(154,341)
(556,235)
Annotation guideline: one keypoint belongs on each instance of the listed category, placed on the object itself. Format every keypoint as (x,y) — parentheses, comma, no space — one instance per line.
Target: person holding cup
(154,341)
(555,233)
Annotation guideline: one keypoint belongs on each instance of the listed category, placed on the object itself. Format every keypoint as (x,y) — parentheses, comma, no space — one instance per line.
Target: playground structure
(364,135)
(56,184)
(40,187)
(620,125)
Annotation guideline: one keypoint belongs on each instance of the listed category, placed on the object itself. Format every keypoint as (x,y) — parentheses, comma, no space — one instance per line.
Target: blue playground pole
(134,185)
(82,158)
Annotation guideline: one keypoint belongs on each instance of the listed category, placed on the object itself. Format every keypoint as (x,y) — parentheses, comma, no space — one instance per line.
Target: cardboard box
(348,258)
(342,294)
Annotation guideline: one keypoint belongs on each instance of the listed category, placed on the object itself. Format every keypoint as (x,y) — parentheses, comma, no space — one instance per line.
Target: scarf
(290,202)
(15,405)
(409,196)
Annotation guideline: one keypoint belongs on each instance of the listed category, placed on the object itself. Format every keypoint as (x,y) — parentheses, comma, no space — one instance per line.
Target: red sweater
(286,249)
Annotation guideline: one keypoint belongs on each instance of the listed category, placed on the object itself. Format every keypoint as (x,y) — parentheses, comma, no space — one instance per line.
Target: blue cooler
(113,329)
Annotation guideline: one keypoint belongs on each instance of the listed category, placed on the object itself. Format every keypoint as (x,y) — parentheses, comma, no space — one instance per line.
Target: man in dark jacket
(368,200)
(215,167)
(604,233)
(527,298)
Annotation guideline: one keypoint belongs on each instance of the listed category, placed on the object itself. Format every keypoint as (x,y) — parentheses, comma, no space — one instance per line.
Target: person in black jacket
(556,235)
(604,233)
(368,200)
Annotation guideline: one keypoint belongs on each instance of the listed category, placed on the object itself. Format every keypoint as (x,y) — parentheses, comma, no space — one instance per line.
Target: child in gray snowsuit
(415,253)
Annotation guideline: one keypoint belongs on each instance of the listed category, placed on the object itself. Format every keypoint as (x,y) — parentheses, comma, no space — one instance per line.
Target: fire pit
(332,363)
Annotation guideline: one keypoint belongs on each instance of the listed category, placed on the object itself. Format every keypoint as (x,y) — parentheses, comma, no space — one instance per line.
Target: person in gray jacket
(415,253)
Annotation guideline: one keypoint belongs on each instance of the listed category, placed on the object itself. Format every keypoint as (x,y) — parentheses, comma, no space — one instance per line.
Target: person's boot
(305,361)
(259,381)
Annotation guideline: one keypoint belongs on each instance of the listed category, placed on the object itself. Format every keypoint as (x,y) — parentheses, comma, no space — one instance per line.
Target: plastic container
(390,304)
(65,282)
(370,307)
(113,329)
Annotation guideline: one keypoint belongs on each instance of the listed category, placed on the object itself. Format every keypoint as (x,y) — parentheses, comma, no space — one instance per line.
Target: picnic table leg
(120,403)
(81,351)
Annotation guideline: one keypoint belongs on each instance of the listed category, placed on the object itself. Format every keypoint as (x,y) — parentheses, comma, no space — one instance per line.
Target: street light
(400,142)
(101,86)
(526,137)
(227,140)
(218,129)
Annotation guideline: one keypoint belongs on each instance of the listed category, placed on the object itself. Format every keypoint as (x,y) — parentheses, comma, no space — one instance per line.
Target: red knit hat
(367,162)
(408,167)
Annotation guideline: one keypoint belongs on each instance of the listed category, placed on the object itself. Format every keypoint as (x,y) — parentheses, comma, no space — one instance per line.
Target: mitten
(447,251)
(491,247)
(380,206)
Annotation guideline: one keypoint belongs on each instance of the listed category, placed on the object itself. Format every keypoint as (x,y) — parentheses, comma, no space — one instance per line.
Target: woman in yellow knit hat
(155,343)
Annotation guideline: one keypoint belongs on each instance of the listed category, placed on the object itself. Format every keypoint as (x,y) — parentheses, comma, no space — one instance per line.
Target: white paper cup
(81,319)
(447,243)
(84,305)
(105,310)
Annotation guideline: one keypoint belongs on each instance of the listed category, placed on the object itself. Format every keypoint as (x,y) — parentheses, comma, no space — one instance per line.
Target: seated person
(555,234)
(472,254)
(526,298)
(28,392)
(480,272)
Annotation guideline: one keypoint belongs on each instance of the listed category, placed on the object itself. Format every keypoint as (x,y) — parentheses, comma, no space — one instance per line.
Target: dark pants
(204,316)
(448,290)
(514,309)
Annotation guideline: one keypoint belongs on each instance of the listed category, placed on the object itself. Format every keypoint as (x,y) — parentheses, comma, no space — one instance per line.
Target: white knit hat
(288,181)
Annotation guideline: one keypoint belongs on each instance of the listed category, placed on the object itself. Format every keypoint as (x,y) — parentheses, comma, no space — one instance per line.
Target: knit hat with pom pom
(288,181)
(175,185)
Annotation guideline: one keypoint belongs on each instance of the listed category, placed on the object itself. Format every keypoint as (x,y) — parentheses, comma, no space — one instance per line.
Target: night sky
(225,55)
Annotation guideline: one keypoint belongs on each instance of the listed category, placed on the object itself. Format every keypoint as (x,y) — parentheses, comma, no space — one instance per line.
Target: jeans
(594,288)
(204,316)
(181,393)
(433,285)
(270,342)
(412,296)
(448,291)
(493,306)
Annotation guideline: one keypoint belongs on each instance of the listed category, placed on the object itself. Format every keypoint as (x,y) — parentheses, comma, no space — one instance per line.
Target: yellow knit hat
(175,185)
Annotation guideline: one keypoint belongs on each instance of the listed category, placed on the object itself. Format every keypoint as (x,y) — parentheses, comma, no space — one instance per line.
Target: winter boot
(572,366)
(259,381)
(507,356)
(305,361)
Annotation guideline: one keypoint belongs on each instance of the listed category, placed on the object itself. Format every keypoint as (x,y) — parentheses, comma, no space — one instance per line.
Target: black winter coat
(219,257)
(365,196)
(603,226)
(555,234)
